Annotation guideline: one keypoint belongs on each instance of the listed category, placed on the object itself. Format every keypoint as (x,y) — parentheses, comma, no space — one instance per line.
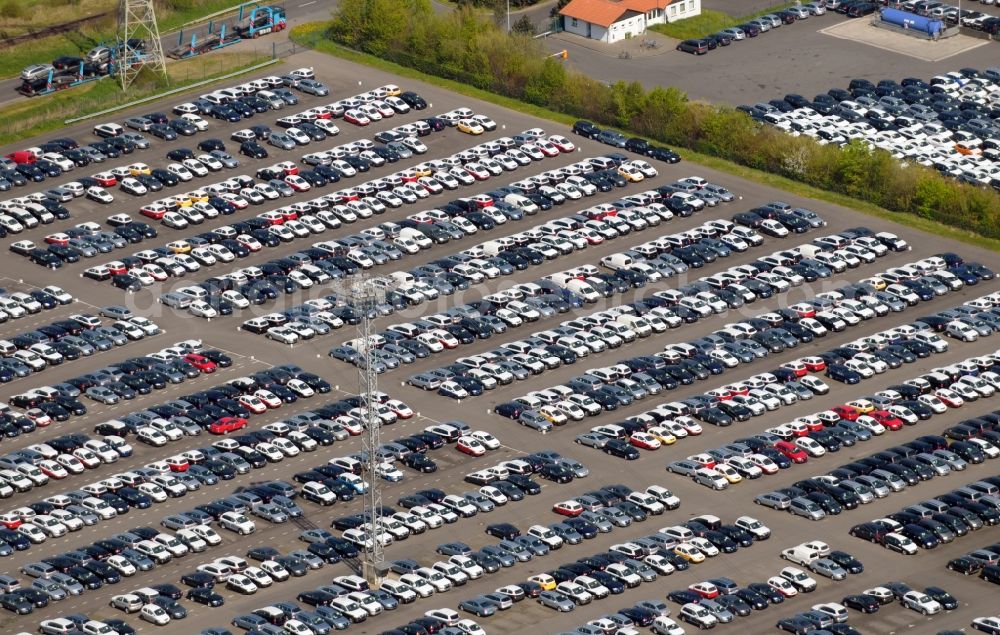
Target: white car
(99,194)
(154,614)
(921,603)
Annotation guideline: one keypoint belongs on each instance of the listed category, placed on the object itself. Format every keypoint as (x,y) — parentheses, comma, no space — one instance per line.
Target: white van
(403,279)
(583,289)
(636,324)
(617,261)
(416,236)
(801,554)
(523,203)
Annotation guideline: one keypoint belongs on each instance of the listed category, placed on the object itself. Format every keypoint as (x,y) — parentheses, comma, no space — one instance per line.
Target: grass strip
(30,117)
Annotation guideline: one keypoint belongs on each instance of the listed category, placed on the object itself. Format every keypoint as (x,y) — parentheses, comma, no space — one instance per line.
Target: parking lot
(810,61)
(253,353)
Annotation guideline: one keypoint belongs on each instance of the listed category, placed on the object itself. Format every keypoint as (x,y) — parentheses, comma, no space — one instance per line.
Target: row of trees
(460,45)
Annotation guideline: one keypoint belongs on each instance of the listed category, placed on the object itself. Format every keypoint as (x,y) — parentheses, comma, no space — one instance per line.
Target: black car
(621,449)
(205,596)
(587,129)
(861,602)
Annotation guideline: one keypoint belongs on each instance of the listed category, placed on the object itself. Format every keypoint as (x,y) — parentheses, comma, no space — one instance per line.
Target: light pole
(508,16)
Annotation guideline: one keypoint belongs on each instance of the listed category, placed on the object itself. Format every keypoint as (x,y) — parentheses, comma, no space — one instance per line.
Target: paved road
(253,353)
(793,59)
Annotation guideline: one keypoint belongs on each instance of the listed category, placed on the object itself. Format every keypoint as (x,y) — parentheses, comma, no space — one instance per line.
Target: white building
(615,20)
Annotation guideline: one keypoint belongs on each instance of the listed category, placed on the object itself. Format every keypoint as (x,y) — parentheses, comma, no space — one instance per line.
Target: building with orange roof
(615,20)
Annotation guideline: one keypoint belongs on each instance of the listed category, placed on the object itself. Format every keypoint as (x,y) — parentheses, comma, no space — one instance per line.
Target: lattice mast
(137,23)
(365,294)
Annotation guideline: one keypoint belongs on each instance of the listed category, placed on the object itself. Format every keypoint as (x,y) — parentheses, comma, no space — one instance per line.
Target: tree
(524,26)
(558,7)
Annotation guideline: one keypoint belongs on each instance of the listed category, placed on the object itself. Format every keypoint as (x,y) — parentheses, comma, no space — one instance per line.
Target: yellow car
(878,283)
(469,126)
(422,169)
(543,580)
(138,169)
(182,200)
(555,417)
(728,473)
(862,405)
(631,173)
(689,552)
(392,90)
(665,436)
(197,196)
(179,246)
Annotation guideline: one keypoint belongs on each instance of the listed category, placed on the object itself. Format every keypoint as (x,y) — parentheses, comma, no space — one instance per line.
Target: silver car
(312,87)
(592,440)
(281,140)
(557,601)
(801,506)
(828,568)
(774,500)
(68,583)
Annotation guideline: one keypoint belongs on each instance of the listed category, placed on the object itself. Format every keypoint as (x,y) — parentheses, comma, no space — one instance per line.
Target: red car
(356,118)
(814,364)
(106,179)
(156,212)
(116,267)
(289,168)
(791,451)
(566,508)
(887,419)
(737,389)
(797,367)
(703,459)
(706,590)
(226,425)
(644,441)
(849,413)
(57,239)
(200,362)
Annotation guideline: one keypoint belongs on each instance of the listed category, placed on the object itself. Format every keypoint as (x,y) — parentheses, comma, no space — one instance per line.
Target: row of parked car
(816,435)
(530,302)
(278,226)
(948,123)
(876,476)
(914,527)
(752,28)
(139,178)
(725,349)
(173,476)
(50,345)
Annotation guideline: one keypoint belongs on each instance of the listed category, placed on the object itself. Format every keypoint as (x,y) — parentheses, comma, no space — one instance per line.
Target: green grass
(45,49)
(30,117)
(311,35)
(709,22)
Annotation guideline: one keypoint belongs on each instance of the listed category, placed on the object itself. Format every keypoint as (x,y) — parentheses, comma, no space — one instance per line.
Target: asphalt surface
(252,353)
(795,58)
